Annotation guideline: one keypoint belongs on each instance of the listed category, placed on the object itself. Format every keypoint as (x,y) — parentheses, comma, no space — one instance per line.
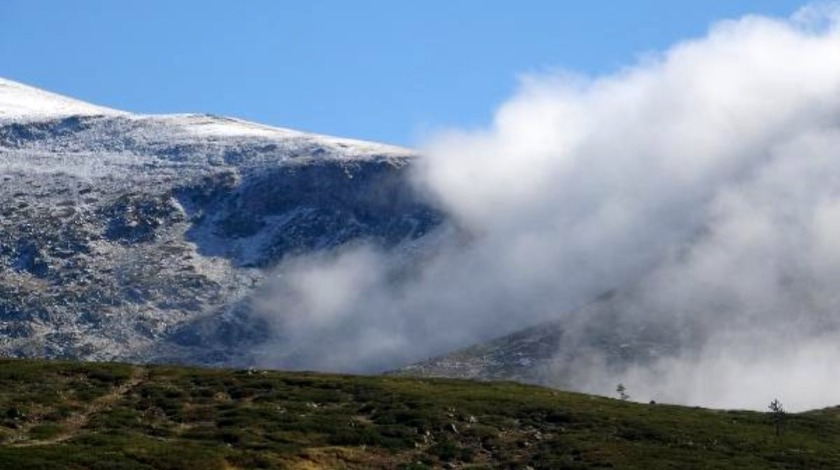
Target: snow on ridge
(23,103)
(227,127)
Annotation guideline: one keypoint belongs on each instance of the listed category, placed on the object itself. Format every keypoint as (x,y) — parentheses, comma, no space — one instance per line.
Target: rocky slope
(139,237)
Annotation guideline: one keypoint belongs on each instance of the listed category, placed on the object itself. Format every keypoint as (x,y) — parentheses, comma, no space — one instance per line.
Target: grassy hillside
(103,416)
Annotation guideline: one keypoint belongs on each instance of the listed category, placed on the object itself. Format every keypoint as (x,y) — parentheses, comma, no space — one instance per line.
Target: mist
(704,179)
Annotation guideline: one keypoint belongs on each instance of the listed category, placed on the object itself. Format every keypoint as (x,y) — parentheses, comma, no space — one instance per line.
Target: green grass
(113,416)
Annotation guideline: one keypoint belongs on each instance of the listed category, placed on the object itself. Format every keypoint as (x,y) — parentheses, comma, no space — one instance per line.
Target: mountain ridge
(23,103)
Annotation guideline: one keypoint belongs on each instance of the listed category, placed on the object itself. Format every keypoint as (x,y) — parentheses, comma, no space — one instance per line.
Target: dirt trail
(75,422)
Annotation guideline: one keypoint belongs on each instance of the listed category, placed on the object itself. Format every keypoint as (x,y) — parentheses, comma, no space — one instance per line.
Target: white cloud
(706,177)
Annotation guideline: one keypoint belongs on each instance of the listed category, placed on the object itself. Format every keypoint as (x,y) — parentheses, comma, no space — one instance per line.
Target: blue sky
(386,70)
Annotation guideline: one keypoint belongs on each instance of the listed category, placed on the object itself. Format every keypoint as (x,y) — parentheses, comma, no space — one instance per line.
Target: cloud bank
(704,179)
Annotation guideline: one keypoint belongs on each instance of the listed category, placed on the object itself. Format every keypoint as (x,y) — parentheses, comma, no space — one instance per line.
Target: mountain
(71,415)
(151,238)
(145,237)
(556,353)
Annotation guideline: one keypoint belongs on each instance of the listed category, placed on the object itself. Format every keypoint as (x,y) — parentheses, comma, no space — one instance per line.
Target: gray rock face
(141,237)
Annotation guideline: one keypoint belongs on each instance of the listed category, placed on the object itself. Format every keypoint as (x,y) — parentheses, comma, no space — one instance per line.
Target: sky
(383,70)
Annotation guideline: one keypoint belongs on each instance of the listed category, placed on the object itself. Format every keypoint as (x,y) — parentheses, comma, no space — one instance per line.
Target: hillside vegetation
(117,416)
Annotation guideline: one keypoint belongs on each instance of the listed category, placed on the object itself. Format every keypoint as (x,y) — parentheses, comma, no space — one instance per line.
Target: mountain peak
(23,102)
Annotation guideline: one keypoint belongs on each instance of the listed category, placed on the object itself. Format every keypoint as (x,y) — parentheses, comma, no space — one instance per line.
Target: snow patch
(22,102)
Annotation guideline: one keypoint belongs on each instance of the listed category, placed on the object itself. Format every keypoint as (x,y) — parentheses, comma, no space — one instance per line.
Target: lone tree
(777,415)
(622,392)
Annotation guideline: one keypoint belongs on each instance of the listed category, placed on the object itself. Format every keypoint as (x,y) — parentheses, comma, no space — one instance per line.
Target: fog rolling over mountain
(674,226)
(700,185)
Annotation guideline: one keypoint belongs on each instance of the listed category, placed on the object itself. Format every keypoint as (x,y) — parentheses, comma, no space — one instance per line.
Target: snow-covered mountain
(143,237)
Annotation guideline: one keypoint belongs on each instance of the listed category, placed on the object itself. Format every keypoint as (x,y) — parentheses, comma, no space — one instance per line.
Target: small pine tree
(777,415)
(622,392)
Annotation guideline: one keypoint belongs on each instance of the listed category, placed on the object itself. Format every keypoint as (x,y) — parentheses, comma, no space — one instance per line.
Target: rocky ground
(142,237)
